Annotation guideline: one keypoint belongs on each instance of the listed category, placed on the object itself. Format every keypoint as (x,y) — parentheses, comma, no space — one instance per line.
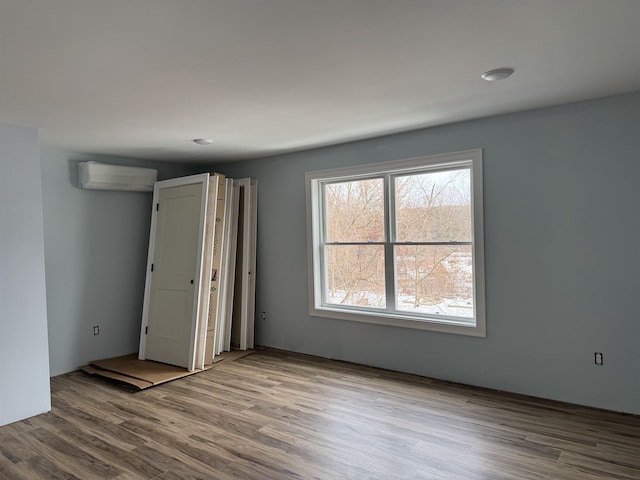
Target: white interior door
(170,312)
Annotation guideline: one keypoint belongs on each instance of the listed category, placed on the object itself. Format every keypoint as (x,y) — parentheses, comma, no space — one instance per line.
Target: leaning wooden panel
(207,262)
(233,199)
(222,248)
(245,265)
(239,325)
(252,234)
(214,284)
(224,269)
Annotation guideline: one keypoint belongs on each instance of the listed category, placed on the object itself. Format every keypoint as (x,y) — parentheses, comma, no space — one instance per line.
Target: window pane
(355,211)
(355,275)
(434,206)
(435,279)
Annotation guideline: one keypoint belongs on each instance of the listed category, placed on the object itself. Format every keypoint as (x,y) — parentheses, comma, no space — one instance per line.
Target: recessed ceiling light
(497,74)
(203,141)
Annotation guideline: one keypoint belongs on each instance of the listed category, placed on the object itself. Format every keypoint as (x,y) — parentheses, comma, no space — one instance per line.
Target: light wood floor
(276,415)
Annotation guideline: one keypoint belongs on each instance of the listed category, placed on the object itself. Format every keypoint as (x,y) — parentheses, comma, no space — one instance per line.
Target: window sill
(403,321)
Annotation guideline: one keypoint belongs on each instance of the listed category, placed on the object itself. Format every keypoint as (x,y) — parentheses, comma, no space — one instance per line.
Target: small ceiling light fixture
(203,141)
(497,74)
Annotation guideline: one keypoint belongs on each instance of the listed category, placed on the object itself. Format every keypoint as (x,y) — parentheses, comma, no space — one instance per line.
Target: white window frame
(314,180)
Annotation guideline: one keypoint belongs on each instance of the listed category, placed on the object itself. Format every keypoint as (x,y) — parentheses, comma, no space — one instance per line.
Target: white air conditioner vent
(102,176)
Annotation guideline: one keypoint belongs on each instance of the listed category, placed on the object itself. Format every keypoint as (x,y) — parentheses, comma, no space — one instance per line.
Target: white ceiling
(141,78)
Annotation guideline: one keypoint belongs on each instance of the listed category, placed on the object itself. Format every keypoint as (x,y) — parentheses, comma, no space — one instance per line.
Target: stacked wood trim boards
(209,245)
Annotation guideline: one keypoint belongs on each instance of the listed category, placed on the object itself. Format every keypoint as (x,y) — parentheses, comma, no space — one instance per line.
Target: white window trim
(466,158)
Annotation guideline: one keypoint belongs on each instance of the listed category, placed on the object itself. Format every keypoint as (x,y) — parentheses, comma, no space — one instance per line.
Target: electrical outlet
(264,315)
(599,358)
(96,330)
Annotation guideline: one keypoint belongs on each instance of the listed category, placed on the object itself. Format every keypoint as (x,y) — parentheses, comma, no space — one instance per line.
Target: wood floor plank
(9,471)
(111,454)
(191,453)
(72,458)
(12,449)
(176,463)
(284,416)
(83,419)
(41,467)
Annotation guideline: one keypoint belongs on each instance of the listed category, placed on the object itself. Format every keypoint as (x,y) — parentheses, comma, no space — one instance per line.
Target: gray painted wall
(24,359)
(96,252)
(562,228)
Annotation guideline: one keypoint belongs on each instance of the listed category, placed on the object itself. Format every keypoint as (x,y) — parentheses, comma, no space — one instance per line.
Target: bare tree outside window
(433,215)
(355,213)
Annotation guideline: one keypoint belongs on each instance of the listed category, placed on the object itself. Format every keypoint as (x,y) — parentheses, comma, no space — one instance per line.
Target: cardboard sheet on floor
(130,381)
(141,374)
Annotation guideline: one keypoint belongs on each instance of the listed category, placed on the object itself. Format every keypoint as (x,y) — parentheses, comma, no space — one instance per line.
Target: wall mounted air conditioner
(102,176)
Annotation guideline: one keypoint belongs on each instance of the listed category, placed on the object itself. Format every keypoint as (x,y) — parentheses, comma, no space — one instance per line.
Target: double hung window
(399,243)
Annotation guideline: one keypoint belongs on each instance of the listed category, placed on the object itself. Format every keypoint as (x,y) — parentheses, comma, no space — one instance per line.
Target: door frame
(232,239)
(249,222)
(203,179)
(253,238)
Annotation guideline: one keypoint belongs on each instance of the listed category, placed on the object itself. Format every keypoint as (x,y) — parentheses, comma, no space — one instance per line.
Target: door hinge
(146,330)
